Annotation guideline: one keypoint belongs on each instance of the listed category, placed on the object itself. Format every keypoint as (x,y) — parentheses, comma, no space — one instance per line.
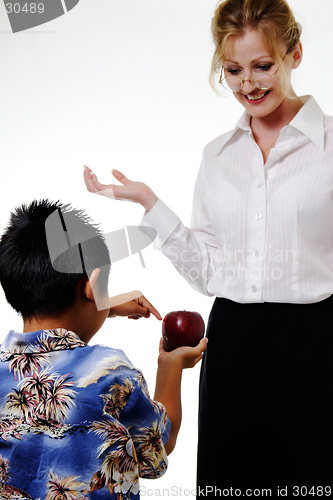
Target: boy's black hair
(31,284)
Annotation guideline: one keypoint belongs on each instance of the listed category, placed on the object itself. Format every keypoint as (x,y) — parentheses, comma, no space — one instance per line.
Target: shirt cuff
(163,220)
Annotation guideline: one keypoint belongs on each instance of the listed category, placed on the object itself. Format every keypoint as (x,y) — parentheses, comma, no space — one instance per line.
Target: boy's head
(28,275)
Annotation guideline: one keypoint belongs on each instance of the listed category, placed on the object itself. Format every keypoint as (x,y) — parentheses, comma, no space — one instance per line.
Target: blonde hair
(272,19)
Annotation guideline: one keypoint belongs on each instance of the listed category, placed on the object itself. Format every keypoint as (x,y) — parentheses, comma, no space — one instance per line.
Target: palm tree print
(23,363)
(150,449)
(4,470)
(60,397)
(119,458)
(60,339)
(22,403)
(158,407)
(10,426)
(46,343)
(65,488)
(115,400)
(7,491)
(39,383)
(42,396)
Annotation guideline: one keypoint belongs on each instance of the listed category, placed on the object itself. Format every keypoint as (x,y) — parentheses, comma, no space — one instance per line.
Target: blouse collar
(309,121)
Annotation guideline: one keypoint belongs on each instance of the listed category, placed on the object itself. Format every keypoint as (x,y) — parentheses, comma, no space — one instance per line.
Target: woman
(261,241)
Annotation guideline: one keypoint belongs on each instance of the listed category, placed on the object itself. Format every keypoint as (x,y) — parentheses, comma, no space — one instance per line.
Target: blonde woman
(262,226)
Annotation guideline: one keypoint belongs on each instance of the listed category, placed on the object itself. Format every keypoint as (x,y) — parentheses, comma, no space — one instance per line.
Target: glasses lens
(232,83)
(262,82)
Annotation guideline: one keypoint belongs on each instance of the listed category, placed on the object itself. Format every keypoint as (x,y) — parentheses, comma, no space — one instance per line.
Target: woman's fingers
(88,179)
(133,191)
(91,181)
(120,176)
(94,186)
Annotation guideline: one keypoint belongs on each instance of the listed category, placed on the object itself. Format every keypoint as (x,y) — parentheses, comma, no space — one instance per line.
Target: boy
(76,421)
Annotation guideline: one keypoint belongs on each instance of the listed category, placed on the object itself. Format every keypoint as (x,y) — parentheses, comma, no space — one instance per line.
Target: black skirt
(266,399)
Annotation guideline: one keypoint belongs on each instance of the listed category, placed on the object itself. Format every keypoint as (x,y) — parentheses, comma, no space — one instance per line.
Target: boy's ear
(91,291)
(90,285)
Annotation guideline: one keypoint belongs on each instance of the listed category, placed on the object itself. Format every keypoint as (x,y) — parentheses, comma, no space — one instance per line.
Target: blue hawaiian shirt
(76,421)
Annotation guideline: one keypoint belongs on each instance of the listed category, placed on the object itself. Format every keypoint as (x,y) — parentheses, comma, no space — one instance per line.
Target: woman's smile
(256,98)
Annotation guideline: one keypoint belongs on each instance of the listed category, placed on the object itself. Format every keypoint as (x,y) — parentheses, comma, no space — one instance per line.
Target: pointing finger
(151,309)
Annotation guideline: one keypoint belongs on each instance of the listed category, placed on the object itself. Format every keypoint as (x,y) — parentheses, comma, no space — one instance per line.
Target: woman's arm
(193,251)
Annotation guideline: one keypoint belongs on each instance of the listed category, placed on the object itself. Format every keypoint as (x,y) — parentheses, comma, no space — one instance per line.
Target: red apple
(181,328)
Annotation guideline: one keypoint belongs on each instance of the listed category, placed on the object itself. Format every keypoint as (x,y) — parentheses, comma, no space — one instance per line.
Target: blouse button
(260,185)
(258,216)
(254,289)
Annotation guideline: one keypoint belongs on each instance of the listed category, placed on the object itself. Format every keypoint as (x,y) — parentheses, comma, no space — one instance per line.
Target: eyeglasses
(261,80)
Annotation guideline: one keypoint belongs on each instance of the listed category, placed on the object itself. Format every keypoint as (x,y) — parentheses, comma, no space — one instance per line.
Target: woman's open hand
(137,192)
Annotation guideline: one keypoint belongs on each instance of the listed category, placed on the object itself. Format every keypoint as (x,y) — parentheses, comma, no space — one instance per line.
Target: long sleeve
(191,250)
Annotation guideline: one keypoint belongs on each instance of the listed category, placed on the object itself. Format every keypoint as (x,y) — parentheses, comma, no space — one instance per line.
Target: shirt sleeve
(146,422)
(193,251)
(149,427)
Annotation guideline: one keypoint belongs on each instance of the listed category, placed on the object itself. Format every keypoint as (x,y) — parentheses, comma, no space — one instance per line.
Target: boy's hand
(168,382)
(134,305)
(186,356)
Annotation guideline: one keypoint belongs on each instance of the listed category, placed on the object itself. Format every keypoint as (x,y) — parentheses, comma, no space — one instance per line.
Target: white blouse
(259,232)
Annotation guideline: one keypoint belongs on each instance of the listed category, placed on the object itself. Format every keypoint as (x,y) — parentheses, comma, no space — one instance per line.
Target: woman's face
(248,54)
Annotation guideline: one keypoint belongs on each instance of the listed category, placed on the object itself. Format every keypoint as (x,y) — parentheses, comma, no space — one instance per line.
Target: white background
(124,84)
